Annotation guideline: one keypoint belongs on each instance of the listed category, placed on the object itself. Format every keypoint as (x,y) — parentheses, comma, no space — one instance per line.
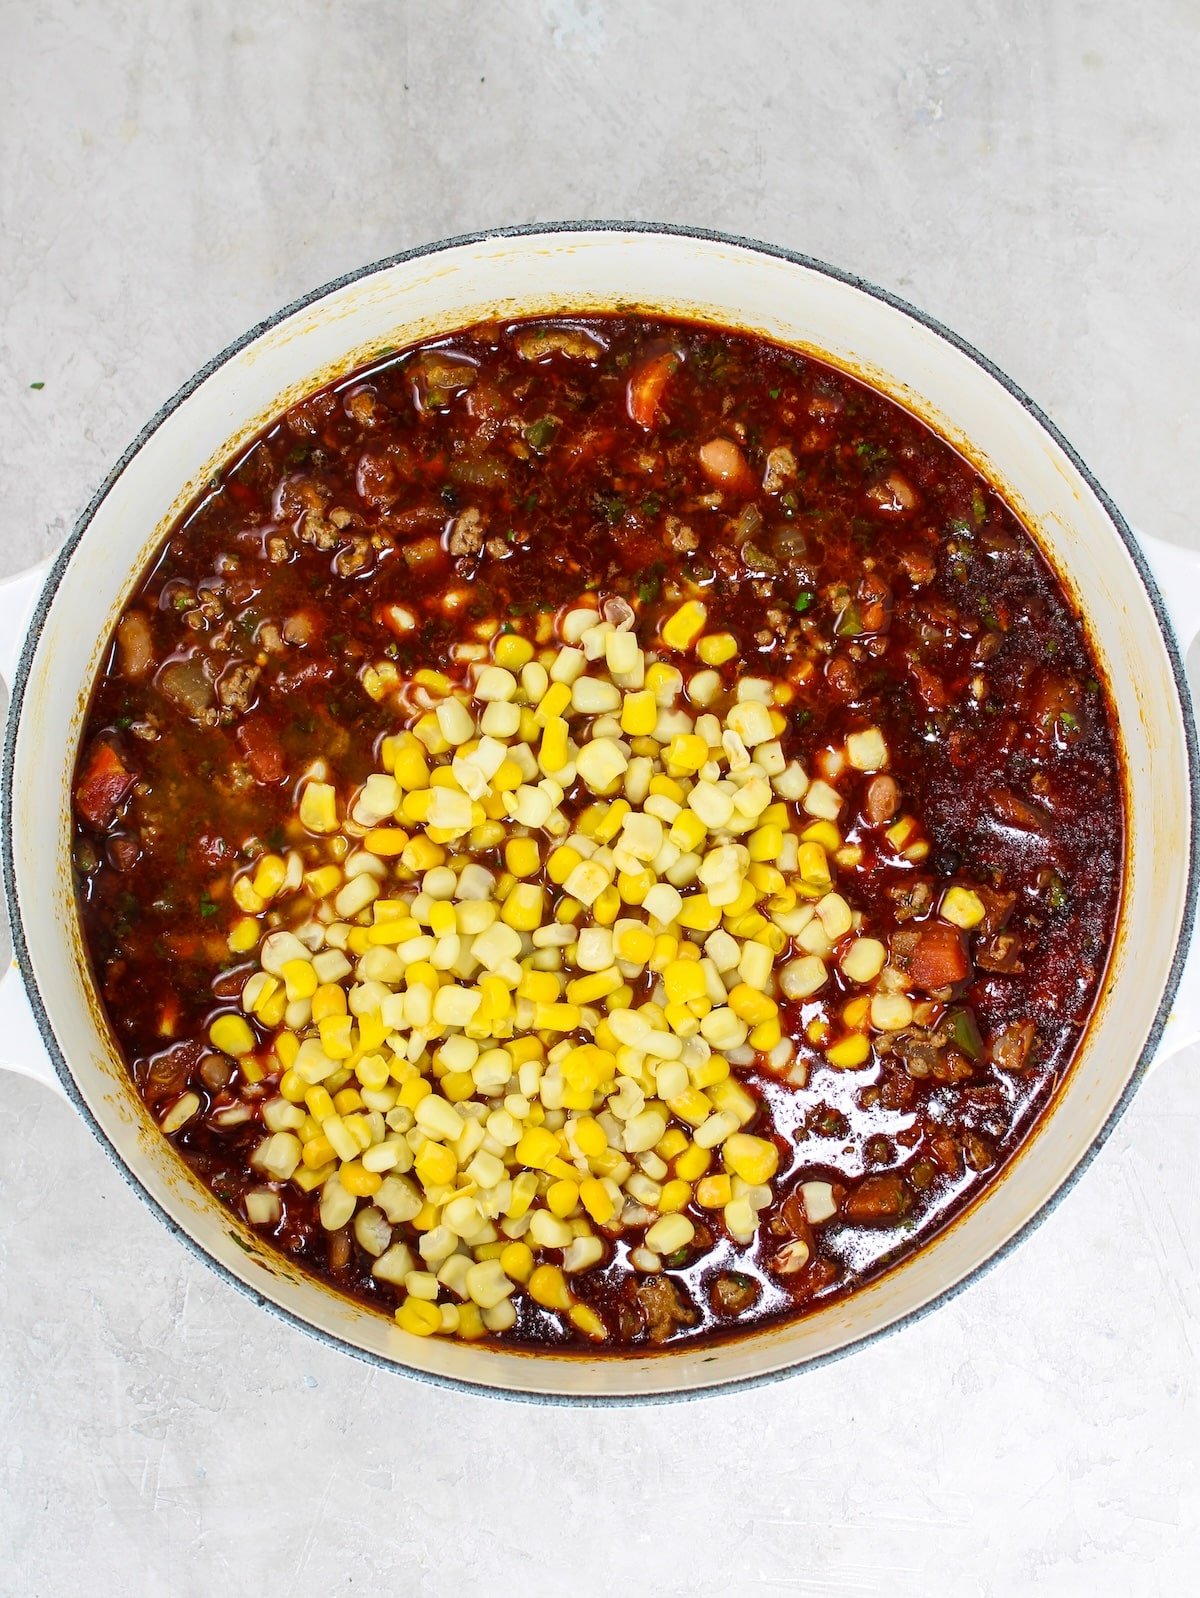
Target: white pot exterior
(576,269)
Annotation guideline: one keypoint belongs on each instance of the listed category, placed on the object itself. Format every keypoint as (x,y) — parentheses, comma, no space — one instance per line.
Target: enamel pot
(54,625)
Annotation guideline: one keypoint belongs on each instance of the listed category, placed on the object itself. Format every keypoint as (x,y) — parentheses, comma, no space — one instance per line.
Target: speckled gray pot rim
(532,230)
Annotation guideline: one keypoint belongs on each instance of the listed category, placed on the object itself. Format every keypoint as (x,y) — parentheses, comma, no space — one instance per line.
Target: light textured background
(168,174)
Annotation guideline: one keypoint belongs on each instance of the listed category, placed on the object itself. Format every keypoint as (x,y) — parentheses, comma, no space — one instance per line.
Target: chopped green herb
(774,392)
(1056,892)
(978,507)
(849,623)
(650,587)
(208,907)
(803,600)
(870,453)
(610,506)
(964,1030)
(651,505)
(37,385)
(539,435)
(1070,723)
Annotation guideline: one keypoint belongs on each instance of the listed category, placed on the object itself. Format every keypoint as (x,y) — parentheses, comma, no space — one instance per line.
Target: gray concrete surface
(168,174)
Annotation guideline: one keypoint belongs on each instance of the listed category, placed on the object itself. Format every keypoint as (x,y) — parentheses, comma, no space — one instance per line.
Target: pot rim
(549,229)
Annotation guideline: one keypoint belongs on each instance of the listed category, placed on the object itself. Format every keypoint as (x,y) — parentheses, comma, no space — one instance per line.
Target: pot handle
(22,1047)
(1177,573)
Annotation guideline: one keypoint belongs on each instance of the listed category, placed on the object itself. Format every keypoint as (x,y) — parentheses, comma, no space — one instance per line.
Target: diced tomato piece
(646,387)
(939,957)
(264,754)
(929,685)
(105,782)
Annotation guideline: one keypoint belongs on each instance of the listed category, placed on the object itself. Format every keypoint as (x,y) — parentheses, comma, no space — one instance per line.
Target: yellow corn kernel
(556,1017)
(244,935)
(639,713)
(561,862)
(688,832)
(635,944)
(633,886)
(328,1000)
(245,897)
(318,1151)
(590,1137)
(521,856)
(516,1261)
(413,1091)
(269,873)
(607,906)
(754,1159)
(766,1035)
(597,1200)
(682,629)
(318,807)
(336,1036)
(849,1051)
(553,702)
(959,906)
(526,1048)
(356,1179)
(512,651)
(232,1035)
(691,1106)
(562,1197)
(419,1316)
(291,1086)
(524,907)
(674,1196)
(751,1006)
(585,1319)
(683,980)
(435,1165)
(319,1103)
(323,882)
(537,1148)
(347,1100)
(699,914)
(422,854)
(672,1142)
(684,1019)
(458,1086)
(300,979)
(765,843)
(686,752)
(817,1030)
(540,986)
(386,841)
(717,648)
(714,1192)
(714,1069)
(586,990)
(548,1287)
(855,1013)
(693,1162)
(824,833)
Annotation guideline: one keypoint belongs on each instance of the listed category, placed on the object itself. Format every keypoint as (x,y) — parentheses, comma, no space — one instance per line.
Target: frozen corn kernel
(682,629)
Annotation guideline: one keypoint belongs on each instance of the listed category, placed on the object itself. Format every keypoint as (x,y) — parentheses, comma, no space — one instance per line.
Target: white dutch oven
(50,1026)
